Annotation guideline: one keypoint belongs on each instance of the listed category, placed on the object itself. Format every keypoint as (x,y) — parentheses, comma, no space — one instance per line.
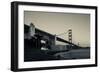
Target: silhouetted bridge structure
(48,36)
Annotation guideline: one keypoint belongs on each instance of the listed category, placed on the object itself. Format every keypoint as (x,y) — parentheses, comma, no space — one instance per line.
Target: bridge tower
(70,38)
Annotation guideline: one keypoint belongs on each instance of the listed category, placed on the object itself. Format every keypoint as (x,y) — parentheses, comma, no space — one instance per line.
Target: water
(74,54)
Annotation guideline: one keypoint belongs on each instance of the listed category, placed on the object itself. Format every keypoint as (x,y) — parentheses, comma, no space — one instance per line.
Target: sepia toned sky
(57,23)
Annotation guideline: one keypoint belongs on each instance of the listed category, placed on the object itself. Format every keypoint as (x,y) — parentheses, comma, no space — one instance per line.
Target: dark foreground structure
(40,46)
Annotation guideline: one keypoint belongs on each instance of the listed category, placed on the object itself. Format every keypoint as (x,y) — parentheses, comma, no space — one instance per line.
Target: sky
(57,23)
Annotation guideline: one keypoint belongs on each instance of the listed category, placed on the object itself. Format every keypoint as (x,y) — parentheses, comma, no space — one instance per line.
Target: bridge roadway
(26,28)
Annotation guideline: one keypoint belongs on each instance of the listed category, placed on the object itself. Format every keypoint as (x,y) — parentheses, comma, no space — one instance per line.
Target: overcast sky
(57,23)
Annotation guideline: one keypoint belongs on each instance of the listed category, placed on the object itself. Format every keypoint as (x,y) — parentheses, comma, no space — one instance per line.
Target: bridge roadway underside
(26,28)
